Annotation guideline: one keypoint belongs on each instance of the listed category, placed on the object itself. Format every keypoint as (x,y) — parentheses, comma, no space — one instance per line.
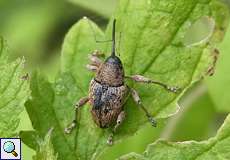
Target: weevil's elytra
(108,91)
(107,103)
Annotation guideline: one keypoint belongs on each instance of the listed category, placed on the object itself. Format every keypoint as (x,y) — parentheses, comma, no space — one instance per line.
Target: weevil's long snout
(114,38)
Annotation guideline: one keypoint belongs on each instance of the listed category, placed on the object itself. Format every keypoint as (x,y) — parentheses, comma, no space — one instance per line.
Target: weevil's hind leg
(120,119)
(79,104)
(142,79)
(139,103)
(95,61)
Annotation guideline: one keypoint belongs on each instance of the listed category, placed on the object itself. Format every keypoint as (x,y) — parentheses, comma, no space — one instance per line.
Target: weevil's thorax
(111,72)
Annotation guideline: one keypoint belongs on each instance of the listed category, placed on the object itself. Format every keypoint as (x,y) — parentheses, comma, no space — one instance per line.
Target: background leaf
(14,91)
(45,150)
(48,21)
(215,148)
(218,84)
(107,5)
(46,111)
(3,51)
(194,103)
(78,44)
(30,139)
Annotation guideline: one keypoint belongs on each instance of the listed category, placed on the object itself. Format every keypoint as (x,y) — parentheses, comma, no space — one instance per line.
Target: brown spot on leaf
(211,69)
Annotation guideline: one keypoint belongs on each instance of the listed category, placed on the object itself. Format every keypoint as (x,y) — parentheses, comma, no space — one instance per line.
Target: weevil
(108,91)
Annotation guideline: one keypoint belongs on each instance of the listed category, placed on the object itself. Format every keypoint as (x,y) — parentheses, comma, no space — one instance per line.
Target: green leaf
(196,103)
(97,5)
(30,139)
(14,91)
(151,44)
(153,34)
(45,150)
(3,51)
(218,85)
(78,44)
(216,148)
(51,107)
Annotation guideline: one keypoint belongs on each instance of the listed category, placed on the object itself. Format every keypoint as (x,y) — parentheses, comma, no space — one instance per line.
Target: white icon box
(10,149)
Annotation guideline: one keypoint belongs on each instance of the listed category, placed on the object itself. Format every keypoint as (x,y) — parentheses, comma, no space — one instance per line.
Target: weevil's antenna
(94,33)
(119,45)
(113,38)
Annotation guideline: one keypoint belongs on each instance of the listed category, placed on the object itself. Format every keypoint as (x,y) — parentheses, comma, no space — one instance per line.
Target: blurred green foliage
(36,29)
(218,85)
(214,148)
(103,7)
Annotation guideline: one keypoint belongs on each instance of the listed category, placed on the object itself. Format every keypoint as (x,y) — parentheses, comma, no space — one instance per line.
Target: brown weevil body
(108,91)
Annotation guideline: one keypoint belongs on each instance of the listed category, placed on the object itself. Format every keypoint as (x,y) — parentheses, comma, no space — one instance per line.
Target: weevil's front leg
(120,119)
(79,104)
(97,53)
(142,79)
(94,58)
(92,68)
(139,103)
(95,61)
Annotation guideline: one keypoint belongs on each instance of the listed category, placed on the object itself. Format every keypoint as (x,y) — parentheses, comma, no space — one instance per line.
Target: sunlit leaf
(14,91)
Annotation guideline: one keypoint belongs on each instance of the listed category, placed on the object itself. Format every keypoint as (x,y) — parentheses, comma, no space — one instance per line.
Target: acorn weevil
(108,91)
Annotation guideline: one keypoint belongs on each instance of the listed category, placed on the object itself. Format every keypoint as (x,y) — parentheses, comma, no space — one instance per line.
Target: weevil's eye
(113,60)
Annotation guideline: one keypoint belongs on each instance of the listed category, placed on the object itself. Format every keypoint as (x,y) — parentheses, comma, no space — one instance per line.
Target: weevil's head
(111,71)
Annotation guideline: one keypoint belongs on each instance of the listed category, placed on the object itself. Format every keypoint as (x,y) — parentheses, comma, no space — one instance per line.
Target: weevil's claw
(69,129)
(76,106)
(173,89)
(152,121)
(110,140)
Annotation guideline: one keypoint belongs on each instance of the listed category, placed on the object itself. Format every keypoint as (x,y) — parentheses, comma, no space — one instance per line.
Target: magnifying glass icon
(9,147)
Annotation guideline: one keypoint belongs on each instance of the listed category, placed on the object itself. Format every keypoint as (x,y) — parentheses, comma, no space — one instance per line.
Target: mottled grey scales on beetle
(107,102)
(108,91)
